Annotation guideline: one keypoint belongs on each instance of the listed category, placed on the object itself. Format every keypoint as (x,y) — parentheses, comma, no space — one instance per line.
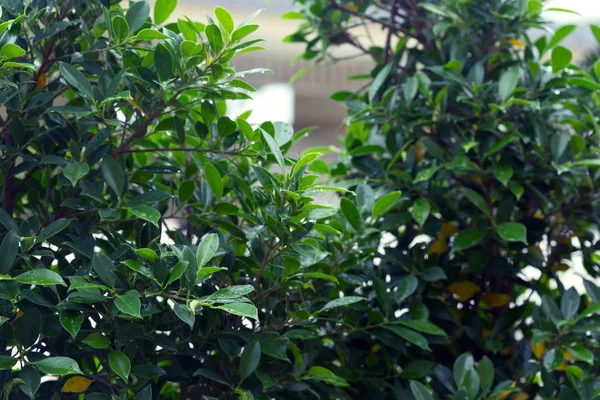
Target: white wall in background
(272,102)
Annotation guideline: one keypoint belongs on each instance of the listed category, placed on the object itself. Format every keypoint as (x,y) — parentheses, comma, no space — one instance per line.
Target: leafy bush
(151,246)
(477,146)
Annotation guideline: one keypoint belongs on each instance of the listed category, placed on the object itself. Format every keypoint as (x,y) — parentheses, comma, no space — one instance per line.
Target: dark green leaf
(250,359)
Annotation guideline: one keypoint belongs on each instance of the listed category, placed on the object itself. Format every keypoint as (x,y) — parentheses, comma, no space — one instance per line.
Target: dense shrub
(482,137)
(151,246)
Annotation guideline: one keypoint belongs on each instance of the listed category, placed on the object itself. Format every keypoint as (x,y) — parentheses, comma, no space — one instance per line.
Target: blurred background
(306,102)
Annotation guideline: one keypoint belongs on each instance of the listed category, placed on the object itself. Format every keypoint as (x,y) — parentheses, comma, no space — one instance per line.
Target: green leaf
(137,15)
(58,366)
(11,50)
(114,175)
(207,249)
(71,321)
(214,180)
(552,359)
(378,82)
(178,271)
(225,19)
(477,200)
(242,32)
(163,10)
(508,83)
(426,174)
(231,292)
(463,364)
(250,359)
(119,363)
(148,254)
(423,326)
(569,303)
(130,304)
(318,275)
(241,309)
(581,353)
(185,314)
(8,251)
(596,32)
(385,203)
(208,271)
(560,34)
(420,391)
(75,171)
(486,371)
(561,58)
(468,238)
(551,310)
(7,362)
(97,341)
(214,37)
(150,34)
(41,277)
(51,230)
(274,147)
(163,61)
(503,173)
(76,79)
(512,232)
(120,27)
(104,267)
(146,213)
(341,302)
(406,286)
(420,211)
(307,159)
(410,336)
(321,374)
(350,212)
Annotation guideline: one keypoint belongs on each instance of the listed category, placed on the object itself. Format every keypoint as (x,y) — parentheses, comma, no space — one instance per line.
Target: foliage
(472,150)
(151,246)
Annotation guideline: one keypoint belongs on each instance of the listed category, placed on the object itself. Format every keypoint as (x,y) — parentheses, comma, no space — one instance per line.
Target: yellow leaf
(506,393)
(375,348)
(19,314)
(465,290)
(567,355)
(351,6)
(495,300)
(340,356)
(447,230)
(135,104)
(76,384)
(538,215)
(538,349)
(517,43)
(41,82)
(478,180)
(562,366)
(438,247)
(486,333)
(520,396)
(560,267)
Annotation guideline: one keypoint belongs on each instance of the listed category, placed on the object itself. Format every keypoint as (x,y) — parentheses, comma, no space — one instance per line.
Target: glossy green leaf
(130,304)
(75,171)
(58,366)
(119,363)
(76,79)
(385,203)
(163,10)
(512,232)
(41,277)
(71,321)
